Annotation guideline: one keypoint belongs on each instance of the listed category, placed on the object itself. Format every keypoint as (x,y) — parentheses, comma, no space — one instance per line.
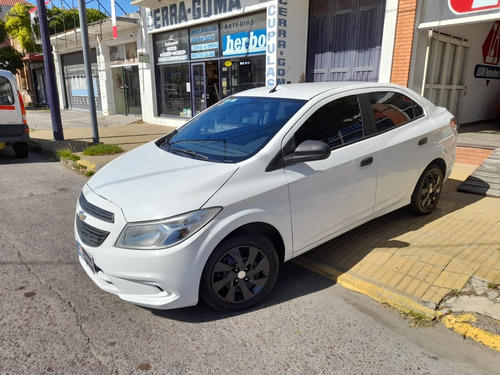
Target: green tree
(3,32)
(18,23)
(11,59)
(18,26)
(61,20)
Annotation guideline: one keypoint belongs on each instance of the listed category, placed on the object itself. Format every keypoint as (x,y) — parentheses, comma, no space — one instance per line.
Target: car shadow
(293,282)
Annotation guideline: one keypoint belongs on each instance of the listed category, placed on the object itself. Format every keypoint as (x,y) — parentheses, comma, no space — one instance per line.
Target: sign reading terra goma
(471,6)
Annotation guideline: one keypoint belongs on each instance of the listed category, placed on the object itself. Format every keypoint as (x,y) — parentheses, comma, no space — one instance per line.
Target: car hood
(149,183)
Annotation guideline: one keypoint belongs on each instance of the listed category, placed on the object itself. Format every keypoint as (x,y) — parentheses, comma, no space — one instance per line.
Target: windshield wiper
(196,141)
(189,152)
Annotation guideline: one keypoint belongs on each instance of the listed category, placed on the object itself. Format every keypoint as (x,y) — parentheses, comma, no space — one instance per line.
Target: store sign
(79,86)
(171,52)
(181,12)
(244,43)
(491,55)
(472,6)
(204,42)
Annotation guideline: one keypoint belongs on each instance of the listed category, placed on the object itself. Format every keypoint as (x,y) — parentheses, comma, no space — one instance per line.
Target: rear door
(10,110)
(329,195)
(403,138)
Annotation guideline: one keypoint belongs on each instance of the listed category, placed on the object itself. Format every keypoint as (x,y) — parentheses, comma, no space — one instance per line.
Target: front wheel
(426,195)
(241,272)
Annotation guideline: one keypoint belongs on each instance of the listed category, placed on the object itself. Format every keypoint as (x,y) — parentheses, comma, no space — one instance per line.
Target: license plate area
(86,256)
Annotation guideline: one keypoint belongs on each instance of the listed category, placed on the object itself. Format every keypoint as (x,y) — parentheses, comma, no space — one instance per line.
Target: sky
(106,4)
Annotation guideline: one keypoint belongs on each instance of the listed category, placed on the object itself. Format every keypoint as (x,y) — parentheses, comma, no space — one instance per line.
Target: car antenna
(278,82)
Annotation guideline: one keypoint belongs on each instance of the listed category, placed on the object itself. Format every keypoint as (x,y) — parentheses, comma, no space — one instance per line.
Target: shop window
(174,90)
(123,54)
(239,74)
(391,109)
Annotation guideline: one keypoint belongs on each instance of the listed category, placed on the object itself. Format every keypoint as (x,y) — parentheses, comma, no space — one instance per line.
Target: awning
(101,30)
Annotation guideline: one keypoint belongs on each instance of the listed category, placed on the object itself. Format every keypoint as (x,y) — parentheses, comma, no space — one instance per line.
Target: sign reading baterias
(181,12)
(472,6)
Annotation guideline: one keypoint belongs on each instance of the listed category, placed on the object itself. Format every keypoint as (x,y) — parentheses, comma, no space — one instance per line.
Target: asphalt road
(54,320)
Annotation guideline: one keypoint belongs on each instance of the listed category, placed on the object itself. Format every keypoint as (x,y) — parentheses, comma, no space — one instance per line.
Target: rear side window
(392,109)
(336,123)
(6,93)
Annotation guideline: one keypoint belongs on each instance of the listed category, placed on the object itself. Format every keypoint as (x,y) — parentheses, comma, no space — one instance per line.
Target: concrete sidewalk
(445,266)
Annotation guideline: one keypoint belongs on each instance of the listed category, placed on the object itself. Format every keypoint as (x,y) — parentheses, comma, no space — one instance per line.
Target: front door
(328,196)
(198,94)
(126,89)
(444,77)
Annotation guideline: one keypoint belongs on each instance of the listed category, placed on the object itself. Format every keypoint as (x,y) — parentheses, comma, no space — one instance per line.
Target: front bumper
(160,279)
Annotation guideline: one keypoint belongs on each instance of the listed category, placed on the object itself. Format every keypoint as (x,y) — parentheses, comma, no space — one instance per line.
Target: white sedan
(212,209)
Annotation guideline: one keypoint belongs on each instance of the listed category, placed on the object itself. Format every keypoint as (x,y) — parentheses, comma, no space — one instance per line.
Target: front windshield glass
(232,130)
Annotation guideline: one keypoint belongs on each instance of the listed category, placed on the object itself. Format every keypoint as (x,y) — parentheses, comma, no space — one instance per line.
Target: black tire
(240,273)
(426,195)
(21,149)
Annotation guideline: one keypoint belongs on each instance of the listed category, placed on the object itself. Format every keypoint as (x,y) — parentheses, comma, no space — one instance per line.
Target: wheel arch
(440,163)
(270,232)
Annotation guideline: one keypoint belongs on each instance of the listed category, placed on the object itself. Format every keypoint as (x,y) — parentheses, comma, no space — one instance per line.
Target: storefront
(116,78)
(75,81)
(204,51)
(456,60)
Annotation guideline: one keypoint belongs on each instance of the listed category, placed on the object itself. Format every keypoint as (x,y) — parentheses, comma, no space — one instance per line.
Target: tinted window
(6,93)
(391,109)
(336,123)
(232,130)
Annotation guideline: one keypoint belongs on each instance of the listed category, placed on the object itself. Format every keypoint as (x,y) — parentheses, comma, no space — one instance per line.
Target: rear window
(6,93)
(392,109)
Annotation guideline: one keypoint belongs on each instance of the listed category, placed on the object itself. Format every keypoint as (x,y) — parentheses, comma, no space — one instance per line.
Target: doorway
(205,81)
(126,88)
(444,74)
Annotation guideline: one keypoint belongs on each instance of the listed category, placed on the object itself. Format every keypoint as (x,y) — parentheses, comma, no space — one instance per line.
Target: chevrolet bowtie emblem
(82,216)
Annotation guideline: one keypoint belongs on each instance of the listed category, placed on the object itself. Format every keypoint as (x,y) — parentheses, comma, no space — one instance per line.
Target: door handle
(366,162)
(422,142)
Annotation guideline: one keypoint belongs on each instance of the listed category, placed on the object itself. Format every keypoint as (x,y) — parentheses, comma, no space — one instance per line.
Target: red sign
(491,45)
(471,6)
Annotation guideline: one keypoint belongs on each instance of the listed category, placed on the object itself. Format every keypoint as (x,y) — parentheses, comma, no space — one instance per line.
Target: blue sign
(487,72)
(244,43)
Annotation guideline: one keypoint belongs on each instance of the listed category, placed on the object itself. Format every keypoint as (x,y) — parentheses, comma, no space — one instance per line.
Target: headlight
(164,233)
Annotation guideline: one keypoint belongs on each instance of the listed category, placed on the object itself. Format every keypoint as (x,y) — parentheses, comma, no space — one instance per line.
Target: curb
(462,324)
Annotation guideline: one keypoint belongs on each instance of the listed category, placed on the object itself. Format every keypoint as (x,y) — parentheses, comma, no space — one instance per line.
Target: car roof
(306,91)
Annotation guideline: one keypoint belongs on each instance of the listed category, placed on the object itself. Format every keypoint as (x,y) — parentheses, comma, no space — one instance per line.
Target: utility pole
(82,10)
(50,72)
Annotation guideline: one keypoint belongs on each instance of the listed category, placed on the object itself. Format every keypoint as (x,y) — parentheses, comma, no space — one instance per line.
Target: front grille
(89,235)
(96,211)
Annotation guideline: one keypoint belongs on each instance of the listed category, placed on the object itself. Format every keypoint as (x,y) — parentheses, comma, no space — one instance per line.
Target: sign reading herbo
(471,6)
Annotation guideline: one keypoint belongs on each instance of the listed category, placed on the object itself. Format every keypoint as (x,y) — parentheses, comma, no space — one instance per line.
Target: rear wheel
(241,272)
(426,195)
(21,149)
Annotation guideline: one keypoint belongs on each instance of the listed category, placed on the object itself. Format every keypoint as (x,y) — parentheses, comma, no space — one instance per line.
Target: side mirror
(308,151)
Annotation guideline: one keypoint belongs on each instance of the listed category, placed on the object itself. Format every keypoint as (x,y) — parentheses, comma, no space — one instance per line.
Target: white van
(14,128)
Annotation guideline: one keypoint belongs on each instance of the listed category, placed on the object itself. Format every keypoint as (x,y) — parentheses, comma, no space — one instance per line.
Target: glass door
(126,90)
(132,90)
(198,93)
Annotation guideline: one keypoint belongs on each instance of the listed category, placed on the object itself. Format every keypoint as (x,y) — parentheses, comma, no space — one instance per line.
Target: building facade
(182,56)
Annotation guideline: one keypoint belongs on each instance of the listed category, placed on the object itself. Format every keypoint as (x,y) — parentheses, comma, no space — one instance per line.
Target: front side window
(336,123)
(232,130)
(6,93)
(391,109)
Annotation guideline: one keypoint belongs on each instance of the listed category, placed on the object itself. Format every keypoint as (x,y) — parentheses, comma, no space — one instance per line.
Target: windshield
(232,130)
